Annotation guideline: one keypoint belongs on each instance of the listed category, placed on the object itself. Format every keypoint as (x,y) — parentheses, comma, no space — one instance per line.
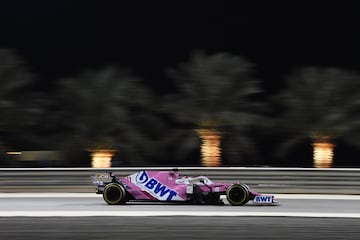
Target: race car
(168,186)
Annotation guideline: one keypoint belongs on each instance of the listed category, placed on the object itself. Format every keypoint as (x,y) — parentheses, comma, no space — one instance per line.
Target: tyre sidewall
(118,187)
(236,187)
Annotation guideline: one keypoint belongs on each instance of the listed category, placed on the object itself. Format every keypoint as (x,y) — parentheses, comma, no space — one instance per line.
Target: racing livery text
(155,187)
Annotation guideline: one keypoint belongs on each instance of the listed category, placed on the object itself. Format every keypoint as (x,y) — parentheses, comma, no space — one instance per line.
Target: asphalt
(87,228)
(56,216)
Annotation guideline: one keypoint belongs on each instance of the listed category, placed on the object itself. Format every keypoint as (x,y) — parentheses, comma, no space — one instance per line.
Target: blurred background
(101,84)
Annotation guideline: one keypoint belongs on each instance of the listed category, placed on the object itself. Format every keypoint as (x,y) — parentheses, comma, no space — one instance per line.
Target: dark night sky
(59,38)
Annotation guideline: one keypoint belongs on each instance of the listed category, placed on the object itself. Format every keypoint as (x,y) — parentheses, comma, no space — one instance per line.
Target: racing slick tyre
(237,195)
(114,194)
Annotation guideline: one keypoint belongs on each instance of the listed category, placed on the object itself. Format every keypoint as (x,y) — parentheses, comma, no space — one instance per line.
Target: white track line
(172,213)
(93,195)
(49,195)
(317,196)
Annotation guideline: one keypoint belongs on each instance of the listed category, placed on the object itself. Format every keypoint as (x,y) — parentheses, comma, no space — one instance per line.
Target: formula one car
(168,186)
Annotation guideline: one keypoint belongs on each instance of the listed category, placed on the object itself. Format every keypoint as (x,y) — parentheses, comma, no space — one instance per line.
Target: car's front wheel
(114,193)
(237,195)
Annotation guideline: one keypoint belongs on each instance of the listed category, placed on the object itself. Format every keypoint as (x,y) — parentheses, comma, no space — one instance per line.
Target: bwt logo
(263,199)
(154,186)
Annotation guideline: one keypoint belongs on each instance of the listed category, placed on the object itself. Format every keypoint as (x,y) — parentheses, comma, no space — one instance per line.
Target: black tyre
(114,194)
(237,195)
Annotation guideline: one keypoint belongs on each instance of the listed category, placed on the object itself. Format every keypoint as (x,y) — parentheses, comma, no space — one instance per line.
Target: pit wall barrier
(265,180)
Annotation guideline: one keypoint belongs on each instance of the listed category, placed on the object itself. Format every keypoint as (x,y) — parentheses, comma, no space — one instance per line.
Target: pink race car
(168,186)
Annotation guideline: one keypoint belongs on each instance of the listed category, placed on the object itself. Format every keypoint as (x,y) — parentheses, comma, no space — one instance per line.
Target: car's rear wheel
(237,195)
(114,194)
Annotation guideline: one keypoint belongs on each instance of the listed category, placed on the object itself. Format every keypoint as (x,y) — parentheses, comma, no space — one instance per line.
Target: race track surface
(83,205)
(179,228)
(74,216)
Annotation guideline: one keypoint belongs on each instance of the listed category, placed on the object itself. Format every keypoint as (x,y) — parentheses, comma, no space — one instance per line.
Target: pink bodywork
(169,186)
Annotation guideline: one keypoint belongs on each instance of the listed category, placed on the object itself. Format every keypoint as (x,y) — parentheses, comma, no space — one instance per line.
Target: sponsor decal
(264,199)
(102,176)
(154,187)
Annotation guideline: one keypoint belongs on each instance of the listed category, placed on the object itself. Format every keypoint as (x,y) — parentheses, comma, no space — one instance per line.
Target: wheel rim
(237,195)
(113,194)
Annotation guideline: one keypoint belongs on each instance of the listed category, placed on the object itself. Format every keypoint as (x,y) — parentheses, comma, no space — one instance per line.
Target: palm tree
(215,92)
(323,105)
(17,107)
(103,111)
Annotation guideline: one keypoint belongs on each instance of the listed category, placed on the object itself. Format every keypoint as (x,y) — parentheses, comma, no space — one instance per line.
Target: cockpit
(200,180)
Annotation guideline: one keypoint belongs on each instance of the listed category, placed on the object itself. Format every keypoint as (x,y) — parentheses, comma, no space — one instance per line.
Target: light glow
(101,158)
(210,147)
(13,153)
(323,154)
